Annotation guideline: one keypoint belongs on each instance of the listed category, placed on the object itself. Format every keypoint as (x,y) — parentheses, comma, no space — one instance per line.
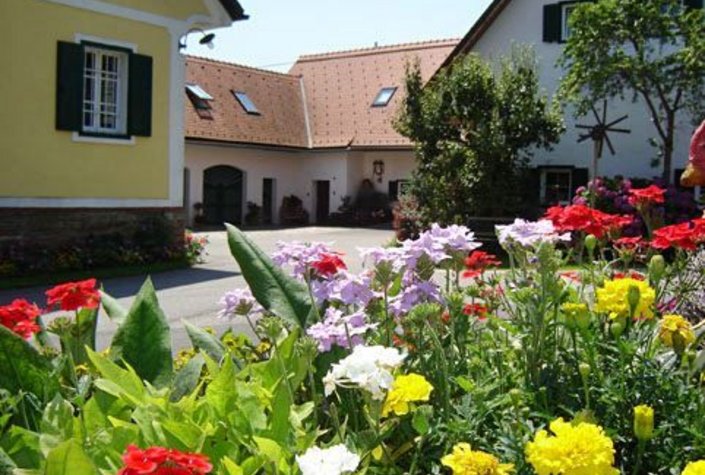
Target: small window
(200,99)
(567,10)
(556,186)
(384,96)
(104,91)
(246,102)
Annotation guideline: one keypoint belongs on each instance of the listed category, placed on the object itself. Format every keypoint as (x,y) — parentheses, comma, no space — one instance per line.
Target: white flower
(335,460)
(529,233)
(367,367)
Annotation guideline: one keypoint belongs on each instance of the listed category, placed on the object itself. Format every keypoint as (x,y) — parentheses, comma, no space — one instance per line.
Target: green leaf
(186,380)
(202,340)
(115,311)
(22,368)
(143,341)
(277,292)
(117,381)
(6,463)
(69,459)
(56,425)
(231,468)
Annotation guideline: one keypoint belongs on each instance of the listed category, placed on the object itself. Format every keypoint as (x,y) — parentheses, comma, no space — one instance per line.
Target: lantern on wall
(378,170)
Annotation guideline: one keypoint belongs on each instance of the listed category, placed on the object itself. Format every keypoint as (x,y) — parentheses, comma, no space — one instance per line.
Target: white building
(316,133)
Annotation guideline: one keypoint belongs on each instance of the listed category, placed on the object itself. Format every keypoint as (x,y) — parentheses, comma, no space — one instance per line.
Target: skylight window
(385,95)
(199,97)
(246,102)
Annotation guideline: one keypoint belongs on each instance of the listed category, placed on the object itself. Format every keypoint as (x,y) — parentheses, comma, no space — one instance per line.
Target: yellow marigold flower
(614,298)
(406,389)
(578,449)
(465,461)
(576,314)
(644,422)
(676,332)
(695,468)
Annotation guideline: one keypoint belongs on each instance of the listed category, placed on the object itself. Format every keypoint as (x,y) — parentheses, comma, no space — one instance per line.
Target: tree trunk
(668,149)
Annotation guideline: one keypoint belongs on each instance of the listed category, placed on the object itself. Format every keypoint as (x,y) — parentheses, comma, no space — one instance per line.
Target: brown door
(322,201)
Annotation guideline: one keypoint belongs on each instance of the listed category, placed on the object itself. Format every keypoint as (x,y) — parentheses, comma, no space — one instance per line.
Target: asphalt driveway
(192,294)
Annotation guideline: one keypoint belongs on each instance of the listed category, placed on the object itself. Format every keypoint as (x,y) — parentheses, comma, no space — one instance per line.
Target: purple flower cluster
(299,256)
(416,292)
(339,329)
(239,302)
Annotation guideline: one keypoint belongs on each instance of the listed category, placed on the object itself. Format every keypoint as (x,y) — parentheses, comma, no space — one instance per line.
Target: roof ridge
(239,65)
(381,49)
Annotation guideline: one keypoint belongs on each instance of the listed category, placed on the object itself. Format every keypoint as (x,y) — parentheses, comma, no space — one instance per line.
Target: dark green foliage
(474,129)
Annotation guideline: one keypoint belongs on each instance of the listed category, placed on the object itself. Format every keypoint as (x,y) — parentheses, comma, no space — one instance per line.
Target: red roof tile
(277,96)
(338,91)
(340,88)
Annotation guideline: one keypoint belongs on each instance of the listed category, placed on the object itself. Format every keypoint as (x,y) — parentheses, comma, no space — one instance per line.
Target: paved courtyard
(192,294)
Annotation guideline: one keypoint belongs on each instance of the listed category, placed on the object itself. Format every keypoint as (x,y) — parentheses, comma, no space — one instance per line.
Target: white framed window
(105,75)
(556,186)
(566,10)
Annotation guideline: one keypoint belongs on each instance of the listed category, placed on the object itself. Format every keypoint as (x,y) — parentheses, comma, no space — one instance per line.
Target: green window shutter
(693,3)
(69,86)
(139,96)
(552,23)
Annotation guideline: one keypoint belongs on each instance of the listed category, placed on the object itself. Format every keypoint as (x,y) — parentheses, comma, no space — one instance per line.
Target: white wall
(295,172)
(522,22)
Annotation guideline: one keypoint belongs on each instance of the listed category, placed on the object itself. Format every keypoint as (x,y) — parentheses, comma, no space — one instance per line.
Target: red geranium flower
(74,295)
(645,196)
(585,219)
(21,317)
(329,264)
(632,274)
(475,309)
(629,243)
(684,236)
(162,461)
(571,275)
(477,262)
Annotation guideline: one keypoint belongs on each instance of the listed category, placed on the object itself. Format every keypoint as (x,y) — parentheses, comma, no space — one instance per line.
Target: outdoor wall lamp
(207,39)
(378,170)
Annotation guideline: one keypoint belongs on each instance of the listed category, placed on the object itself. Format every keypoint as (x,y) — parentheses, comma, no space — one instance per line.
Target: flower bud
(584,370)
(644,422)
(657,266)
(633,297)
(516,396)
(590,243)
(617,328)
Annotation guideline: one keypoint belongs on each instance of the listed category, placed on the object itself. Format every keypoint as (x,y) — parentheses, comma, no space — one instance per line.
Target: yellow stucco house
(91,127)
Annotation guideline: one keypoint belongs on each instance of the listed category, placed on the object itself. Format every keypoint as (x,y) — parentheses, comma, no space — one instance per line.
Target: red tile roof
(277,96)
(338,91)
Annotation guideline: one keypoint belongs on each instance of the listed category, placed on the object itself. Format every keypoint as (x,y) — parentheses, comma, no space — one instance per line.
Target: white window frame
(544,183)
(565,14)
(120,129)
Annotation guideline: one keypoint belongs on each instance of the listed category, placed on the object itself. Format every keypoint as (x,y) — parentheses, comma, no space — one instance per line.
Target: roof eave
(234,9)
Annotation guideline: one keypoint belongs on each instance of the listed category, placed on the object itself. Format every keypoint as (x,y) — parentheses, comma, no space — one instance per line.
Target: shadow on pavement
(129,286)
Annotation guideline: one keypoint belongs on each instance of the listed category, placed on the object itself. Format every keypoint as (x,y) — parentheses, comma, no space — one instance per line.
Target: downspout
(309,138)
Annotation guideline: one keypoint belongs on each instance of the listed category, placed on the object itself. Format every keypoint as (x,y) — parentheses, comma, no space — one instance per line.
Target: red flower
(645,196)
(162,461)
(684,236)
(629,243)
(571,275)
(20,317)
(477,262)
(477,310)
(632,274)
(585,219)
(74,295)
(329,264)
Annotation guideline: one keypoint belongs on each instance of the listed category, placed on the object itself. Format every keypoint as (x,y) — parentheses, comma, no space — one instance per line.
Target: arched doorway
(222,195)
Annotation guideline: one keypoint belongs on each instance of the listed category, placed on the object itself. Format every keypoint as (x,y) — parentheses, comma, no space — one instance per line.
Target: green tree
(474,128)
(651,49)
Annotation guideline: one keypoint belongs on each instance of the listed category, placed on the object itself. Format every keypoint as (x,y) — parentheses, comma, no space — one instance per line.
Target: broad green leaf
(69,459)
(144,341)
(113,309)
(270,449)
(220,394)
(187,379)
(277,292)
(117,381)
(22,368)
(231,468)
(6,463)
(202,340)
(57,424)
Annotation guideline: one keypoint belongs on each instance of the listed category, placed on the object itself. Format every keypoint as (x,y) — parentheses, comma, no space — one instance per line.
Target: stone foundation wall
(55,227)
